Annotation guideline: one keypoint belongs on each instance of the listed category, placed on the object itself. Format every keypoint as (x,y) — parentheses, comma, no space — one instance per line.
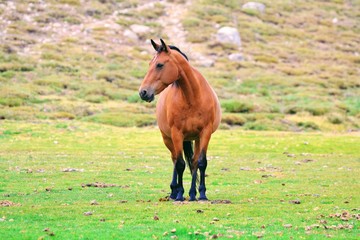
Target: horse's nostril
(143,93)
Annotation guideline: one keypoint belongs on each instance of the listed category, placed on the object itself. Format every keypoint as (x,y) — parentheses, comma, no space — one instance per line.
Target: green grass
(261,173)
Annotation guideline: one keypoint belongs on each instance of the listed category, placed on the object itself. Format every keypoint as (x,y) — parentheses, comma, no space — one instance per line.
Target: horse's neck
(189,84)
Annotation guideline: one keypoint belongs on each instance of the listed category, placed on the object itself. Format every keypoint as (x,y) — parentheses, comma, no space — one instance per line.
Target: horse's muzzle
(146,95)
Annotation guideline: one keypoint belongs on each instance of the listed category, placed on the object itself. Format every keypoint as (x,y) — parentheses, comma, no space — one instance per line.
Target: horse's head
(162,72)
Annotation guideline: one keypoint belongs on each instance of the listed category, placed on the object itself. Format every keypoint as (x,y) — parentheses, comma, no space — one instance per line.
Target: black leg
(180,167)
(174,185)
(192,192)
(202,164)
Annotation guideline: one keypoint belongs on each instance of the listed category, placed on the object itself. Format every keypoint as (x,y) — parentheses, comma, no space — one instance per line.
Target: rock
(228,35)
(88,213)
(236,57)
(139,29)
(130,34)
(205,61)
(256,6)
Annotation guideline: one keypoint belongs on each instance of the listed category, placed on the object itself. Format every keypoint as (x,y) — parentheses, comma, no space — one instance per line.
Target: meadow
(81,156)
(75,180)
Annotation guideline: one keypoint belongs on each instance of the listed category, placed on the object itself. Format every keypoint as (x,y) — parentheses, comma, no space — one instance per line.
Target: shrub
(317,110)
(62,115)
(233,119)
(11,101)
(95,98)
(308,125)
(257,126)
(292,109)
(234,106)
(335,118)
(123,119)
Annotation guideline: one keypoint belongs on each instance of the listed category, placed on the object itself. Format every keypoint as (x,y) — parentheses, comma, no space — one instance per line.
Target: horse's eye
(159,66)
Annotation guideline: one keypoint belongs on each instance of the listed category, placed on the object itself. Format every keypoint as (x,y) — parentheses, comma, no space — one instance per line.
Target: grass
(68,86)
(263,174)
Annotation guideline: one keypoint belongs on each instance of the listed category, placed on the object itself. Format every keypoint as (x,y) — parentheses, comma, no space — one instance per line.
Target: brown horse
(187,110)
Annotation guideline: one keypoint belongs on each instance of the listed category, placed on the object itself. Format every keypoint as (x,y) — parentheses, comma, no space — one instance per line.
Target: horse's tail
(189,153)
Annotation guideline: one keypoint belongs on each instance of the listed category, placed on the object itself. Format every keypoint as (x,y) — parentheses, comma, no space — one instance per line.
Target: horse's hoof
(192,199)
(203,199)
(180,197)
(172,197)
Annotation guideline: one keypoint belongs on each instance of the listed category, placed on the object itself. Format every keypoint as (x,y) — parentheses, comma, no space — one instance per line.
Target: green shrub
(257,126)
(335,118)
(233,119)
(308,125)
(11,101)
(70,2)
(293,109)
(134,98)
(191,22)
(266,59)
(234,106)
(317,110)
(123,119)
(95,98)
(62,115)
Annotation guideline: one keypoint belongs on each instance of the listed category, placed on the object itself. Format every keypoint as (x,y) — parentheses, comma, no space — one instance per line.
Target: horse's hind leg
(202,161)
(202,167)
(192,192)
(177,139)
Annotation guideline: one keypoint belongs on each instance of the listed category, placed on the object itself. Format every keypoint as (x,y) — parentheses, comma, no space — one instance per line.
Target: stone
(140,29)
(256,6)
(228,35)
(205,62)
(131,35)
(236,57)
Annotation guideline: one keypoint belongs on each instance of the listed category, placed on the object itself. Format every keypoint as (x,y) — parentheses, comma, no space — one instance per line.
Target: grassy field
(75,180)
(80,155)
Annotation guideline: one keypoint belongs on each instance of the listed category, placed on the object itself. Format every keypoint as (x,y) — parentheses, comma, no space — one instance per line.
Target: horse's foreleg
(180,167)
(177,139)
(174,184)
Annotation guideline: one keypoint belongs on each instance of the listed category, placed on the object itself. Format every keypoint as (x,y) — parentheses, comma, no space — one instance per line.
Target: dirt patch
(99,185)
(164,199)
(221,202)
(6,203)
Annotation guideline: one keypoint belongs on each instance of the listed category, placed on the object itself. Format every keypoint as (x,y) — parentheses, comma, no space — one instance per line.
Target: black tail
(189,153)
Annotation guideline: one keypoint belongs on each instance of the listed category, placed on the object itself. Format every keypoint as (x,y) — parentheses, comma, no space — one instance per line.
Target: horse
(187,111)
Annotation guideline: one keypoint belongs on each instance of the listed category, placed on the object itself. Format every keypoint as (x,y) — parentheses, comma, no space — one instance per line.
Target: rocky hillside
(276,65)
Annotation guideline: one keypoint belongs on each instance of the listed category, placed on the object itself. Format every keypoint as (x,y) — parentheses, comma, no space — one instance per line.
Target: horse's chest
(191,122)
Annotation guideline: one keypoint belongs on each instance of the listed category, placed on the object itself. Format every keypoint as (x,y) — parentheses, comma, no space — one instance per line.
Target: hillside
(297,66)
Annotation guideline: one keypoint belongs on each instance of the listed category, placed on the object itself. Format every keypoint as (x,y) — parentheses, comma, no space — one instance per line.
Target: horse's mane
(177,49)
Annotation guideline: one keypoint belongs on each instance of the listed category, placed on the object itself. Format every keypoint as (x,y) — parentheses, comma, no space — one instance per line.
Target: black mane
(177,49)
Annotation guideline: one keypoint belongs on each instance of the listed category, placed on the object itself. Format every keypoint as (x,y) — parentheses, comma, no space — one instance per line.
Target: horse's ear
(165,48)
(155,45)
